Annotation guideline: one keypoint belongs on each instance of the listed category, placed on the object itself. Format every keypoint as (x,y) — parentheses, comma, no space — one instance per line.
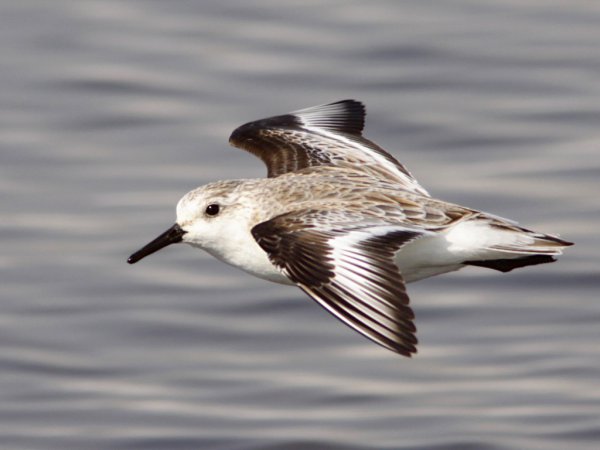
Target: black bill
(171,236)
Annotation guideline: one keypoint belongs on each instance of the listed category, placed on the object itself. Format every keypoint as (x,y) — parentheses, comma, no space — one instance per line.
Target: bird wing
(348,268)
(328,135)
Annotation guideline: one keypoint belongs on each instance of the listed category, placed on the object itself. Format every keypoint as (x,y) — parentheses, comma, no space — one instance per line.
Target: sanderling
(343,220)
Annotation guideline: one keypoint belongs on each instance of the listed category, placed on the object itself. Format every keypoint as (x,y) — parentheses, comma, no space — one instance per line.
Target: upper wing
(322,135)
(349,269)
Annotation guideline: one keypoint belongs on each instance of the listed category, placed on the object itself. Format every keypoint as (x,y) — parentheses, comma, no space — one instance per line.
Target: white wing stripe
(375,157)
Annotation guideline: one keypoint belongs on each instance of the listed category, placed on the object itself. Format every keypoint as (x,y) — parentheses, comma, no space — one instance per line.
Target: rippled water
(111,110)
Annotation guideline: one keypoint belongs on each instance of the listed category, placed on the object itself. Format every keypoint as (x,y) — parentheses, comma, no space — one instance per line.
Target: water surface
(111,110)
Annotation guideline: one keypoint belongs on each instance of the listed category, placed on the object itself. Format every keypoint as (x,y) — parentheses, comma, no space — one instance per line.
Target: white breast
(239,249)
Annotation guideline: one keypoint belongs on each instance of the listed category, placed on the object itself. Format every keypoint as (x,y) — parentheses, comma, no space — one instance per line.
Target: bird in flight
(343,220)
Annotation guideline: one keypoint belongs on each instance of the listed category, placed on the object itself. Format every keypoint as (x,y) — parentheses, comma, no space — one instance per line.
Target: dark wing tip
(244,135)
(560,241)
(345,116)
(404,345)
(405,351)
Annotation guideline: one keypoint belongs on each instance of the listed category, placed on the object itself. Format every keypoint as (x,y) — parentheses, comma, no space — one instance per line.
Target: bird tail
(508,246)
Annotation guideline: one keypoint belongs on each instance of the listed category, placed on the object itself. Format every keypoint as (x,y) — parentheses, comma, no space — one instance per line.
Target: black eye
(212,209)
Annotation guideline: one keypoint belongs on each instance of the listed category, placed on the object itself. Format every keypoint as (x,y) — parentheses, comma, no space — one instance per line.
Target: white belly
(248,256)
(423,258)
(426,257)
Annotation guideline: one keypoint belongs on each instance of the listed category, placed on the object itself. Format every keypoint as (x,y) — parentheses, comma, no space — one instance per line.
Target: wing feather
(325,135)
(348,269)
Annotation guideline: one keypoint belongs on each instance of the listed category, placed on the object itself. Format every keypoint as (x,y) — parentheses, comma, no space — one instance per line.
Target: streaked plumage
(344,221)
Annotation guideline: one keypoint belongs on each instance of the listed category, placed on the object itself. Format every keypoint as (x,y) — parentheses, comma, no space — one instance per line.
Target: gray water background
(112,110)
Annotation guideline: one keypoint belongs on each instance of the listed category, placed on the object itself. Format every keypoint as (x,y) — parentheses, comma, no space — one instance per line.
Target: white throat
(238,248)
